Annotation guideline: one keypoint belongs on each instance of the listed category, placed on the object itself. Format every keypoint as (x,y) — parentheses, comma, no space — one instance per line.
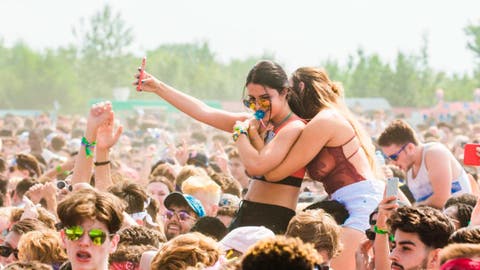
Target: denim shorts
(360,199)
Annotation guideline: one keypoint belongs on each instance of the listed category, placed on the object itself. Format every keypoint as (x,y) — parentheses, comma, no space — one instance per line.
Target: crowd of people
(296,181)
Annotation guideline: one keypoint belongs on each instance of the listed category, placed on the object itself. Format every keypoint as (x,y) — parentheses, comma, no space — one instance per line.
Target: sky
(298,33)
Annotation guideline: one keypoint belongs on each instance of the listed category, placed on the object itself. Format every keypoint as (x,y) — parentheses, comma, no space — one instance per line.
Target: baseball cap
(191,201)
(198,159)
(242,238)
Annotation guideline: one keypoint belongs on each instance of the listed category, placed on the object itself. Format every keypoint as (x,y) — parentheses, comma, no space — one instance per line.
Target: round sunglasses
(182,215)
(263,102)
(97,236)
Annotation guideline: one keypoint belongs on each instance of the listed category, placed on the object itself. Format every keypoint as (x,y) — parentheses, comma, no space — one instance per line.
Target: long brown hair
(318,93)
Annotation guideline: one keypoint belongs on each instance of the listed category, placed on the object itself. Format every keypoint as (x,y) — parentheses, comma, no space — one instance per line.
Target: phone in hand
(142,74)
(470,154)
(392,187)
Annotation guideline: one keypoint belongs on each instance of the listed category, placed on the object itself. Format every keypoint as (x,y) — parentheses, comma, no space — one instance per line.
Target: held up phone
(392,187)
(470,154)
(142,74)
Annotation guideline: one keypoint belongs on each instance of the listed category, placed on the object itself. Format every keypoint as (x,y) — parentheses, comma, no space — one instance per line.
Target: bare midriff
(271,193)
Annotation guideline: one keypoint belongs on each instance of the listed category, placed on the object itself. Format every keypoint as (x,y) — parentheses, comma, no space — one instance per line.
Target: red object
(470,154)
(142,74)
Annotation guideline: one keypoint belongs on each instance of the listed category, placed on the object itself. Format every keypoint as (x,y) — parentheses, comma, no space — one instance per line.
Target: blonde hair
(455,251)
(318,228)
(43,246)
(186,172)
(186,250)
(195,185)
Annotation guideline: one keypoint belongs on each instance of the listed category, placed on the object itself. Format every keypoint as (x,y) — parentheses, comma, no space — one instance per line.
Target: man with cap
(182,212)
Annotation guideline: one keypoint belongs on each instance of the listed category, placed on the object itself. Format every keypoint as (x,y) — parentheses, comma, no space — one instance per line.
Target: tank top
(421,187)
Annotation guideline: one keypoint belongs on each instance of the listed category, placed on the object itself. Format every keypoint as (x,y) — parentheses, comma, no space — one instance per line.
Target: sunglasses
(62,184)
(371,235)
(395,155)
(97,236)
(5,251)
(182,215)
(263,102)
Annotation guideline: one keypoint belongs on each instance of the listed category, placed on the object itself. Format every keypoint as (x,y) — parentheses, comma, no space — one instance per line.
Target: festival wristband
(101,163)
(379,231)
(88,147)
(237,131)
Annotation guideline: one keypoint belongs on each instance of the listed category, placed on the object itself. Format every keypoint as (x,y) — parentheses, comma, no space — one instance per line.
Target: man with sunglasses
(90,221)
(182,212)
(433,173)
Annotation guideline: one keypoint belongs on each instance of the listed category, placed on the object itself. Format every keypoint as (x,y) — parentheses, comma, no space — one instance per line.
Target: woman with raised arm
(269,204)
(337,152)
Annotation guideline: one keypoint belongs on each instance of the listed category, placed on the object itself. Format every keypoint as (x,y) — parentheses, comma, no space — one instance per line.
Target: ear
(113,243)
(64,238)
(434,259)
(301,85)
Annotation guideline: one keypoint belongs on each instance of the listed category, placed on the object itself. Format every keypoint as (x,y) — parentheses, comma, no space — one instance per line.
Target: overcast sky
(298,32)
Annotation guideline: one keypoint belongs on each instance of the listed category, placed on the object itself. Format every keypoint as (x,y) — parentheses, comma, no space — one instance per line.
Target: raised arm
(82,171)
(259,162)
(106,138)
(191,106)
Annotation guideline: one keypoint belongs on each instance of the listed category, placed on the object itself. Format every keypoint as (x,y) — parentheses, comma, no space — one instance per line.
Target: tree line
(99,62)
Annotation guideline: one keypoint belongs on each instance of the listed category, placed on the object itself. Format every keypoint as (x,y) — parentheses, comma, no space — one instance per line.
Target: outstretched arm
(190,105)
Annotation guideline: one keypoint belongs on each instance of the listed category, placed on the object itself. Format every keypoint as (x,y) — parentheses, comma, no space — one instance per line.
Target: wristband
(237,131)
(101,163)
(58,169)
(379,231)
(88,147)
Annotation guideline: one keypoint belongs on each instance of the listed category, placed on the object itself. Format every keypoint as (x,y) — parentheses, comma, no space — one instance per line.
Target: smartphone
(470,154)
(142,74)
(392,187)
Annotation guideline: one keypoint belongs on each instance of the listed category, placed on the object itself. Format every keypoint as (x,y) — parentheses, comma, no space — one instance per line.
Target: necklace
(283,120)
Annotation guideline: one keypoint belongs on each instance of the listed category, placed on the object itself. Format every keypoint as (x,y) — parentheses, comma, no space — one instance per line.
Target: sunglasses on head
(5,251)
(263,102)
(395,155)
(97,236)
(182,215)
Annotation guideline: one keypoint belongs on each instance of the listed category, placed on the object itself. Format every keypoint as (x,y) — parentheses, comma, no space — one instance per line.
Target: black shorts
(274,217)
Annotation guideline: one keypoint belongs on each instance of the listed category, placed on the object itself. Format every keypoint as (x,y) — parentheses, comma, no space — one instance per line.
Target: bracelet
(379,231)
(237,131)
(88,147)
(58,169)
(101,163)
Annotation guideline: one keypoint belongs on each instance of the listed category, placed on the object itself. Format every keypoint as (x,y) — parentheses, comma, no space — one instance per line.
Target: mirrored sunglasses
(97,236)
(250,103)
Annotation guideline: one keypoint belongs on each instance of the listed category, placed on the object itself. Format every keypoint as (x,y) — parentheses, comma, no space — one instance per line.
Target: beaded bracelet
(88,146)
(237,131)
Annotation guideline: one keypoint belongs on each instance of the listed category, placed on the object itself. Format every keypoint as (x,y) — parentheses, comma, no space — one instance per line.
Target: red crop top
(296,178)
(331,167)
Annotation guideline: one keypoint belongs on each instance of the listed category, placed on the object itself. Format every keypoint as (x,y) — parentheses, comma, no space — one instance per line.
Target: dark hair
(268,73)
(133,194)
(29,163)
(281,253)
(31,265)
(431,225)
(23,186)
(397,132)
(27,225)
(140,235)
(465,198)
(466,235)
(335,208)
(210,226)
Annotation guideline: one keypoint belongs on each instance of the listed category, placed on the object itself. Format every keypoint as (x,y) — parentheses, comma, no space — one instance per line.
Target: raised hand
(106,137)
(149,83)
(99,113)
(35,193)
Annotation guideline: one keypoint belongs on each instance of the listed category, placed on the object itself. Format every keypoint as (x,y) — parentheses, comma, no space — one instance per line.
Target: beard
(422,266)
